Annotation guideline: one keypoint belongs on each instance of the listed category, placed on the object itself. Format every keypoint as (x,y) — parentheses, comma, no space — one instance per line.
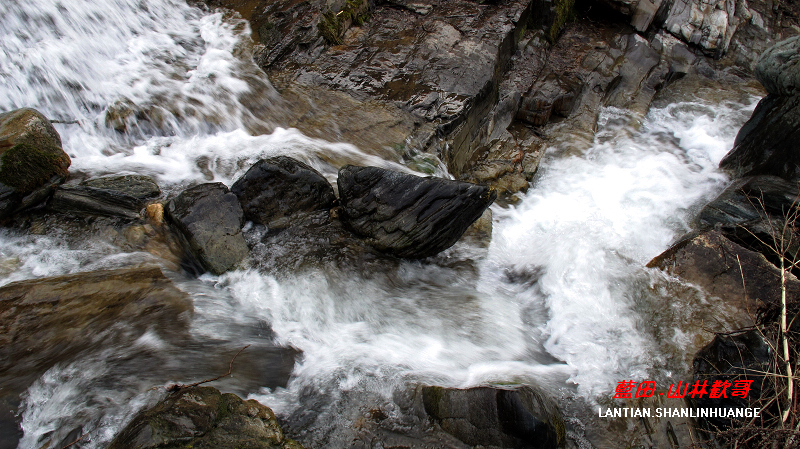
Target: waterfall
(560,298)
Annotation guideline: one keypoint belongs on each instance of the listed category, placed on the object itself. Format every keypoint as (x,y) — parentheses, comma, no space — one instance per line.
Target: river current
(560,297)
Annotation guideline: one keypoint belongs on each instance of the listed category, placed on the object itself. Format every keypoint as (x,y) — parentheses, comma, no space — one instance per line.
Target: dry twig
(178,387)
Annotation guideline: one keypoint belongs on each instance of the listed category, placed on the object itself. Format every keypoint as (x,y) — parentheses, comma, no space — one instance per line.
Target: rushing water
(560,298)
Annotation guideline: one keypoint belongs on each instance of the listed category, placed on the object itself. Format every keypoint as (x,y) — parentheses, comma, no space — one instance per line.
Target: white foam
(592,222)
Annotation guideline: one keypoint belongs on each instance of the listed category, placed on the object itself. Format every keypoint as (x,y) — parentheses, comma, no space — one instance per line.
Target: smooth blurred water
(560,298)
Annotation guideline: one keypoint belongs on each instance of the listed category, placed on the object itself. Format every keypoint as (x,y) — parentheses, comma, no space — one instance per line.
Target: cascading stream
(156,88)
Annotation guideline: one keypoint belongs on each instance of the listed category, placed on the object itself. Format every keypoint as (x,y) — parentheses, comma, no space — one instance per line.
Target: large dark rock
(752,212)
(778,70)
(204,418)
(741,356)
(278,189)
(210,218)
(407,215)
(50,320)
(520,418)
(112,196)
(32,162)
(767,143)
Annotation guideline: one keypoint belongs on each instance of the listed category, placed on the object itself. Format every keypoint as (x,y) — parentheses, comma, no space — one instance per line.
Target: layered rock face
(32,162)
(715,26)
(486,87)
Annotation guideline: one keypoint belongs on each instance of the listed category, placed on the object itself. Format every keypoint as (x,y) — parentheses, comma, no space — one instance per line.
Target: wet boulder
(752,212)
(738,357)
(210,219)
(518,417)
(111,196)
(202,417)
(32,162)
(277,190)
(717,264)
(406,215)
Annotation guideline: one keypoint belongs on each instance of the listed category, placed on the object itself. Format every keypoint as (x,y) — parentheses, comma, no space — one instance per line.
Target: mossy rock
(29,126)
(202,417)
(333,25)
(26,167)
(32,162)
(564,12)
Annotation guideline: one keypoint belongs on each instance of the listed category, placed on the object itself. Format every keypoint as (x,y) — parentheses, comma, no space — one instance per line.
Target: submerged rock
(520,418)
(200,418)
(50,320)
(210,218)
(278,189)
(32,162)
(113,196)
(407,215)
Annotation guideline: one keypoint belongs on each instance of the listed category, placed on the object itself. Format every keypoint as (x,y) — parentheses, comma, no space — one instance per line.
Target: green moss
(432,400)
(561,429)
(564,12)
(332,26)
(26,167)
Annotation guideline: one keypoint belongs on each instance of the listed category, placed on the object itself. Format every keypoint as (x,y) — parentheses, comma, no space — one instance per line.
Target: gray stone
(749,200)
(210,218)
